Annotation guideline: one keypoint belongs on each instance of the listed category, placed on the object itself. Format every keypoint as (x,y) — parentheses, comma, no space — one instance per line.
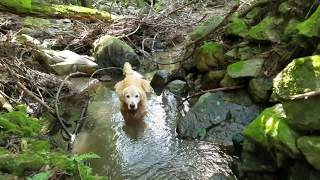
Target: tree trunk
(53,10)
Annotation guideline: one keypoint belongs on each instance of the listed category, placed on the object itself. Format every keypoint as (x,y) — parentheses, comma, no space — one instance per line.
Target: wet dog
(132,92)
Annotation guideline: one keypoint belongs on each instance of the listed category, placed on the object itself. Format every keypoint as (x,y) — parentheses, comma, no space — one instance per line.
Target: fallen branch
(29,93)
(211,91)
(305,95)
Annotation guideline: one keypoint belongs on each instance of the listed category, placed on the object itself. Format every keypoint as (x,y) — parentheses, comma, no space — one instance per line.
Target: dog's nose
(131,106)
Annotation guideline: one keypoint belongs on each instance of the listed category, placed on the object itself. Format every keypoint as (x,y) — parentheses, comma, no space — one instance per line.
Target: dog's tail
(127,70)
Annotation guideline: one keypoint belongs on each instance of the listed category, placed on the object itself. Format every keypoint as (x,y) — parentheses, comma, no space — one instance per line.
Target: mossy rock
(228,81)
(266,30)
(300,76)
(302,170)
(237,27)
(291,29)
(111,51)
(212,78)
(205,27)
(311,26)
(248,68)
(271,131)
(310,148)
(255,158)
(210,55)
(260,89)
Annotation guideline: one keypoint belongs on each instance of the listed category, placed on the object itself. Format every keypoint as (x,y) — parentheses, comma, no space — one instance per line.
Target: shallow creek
(150,150)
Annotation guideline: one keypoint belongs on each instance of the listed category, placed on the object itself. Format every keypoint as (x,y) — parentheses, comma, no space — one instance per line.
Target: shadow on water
(150,150)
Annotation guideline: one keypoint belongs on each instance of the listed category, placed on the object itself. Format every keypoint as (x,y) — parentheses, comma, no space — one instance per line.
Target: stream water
(150,150)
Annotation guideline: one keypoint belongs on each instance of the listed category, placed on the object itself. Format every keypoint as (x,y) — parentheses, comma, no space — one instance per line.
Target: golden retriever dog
(132,92)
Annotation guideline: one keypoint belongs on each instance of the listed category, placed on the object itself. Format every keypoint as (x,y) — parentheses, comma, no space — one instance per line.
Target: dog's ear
(145,85)
(119,88)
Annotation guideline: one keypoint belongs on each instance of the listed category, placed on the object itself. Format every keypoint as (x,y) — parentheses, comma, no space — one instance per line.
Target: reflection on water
(149,150)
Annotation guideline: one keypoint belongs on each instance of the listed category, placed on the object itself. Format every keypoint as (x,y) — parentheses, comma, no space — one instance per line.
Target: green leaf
(40,176)
(86,156)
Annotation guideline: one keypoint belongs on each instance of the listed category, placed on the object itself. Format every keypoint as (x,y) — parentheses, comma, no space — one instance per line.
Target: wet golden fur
(132,83)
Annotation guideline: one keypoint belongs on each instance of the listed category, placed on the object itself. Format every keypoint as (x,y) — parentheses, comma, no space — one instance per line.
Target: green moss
(266,29)
(311,26)
(19,123)
(209,55)
(270,130)
(300,76)
(237,27)
(249,68)
(54,10)
(33,145)
(17,163)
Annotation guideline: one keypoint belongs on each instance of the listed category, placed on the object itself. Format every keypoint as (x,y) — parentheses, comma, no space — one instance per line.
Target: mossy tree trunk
(30,7)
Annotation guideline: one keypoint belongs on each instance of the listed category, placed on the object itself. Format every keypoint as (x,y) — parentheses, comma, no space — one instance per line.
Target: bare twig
(28,92)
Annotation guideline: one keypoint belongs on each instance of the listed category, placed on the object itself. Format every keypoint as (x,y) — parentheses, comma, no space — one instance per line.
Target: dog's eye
(137,96)
(127,96)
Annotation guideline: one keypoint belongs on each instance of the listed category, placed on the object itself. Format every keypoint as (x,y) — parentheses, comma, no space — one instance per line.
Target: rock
(221,177)
(271,131)
(178,74)
(249,68)
(300,76)
(111,51)
(257,162)
(237,27)
(177,87)
(212,79)
(26,40)
(311,26)
(206,27)
(237,141)
(160,80)
(260,89)
(210,55)
(310,148)
(302,170)
(266,30)
(217,117)
(65,62)
(227,81)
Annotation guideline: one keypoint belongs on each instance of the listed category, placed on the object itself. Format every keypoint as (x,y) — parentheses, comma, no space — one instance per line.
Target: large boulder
(300,76)
(271,131)
(310,148)
(210,55)
(111,51)
(249,68)
(217,117)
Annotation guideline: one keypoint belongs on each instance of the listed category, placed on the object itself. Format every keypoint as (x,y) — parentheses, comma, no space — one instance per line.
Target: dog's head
(132,97)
